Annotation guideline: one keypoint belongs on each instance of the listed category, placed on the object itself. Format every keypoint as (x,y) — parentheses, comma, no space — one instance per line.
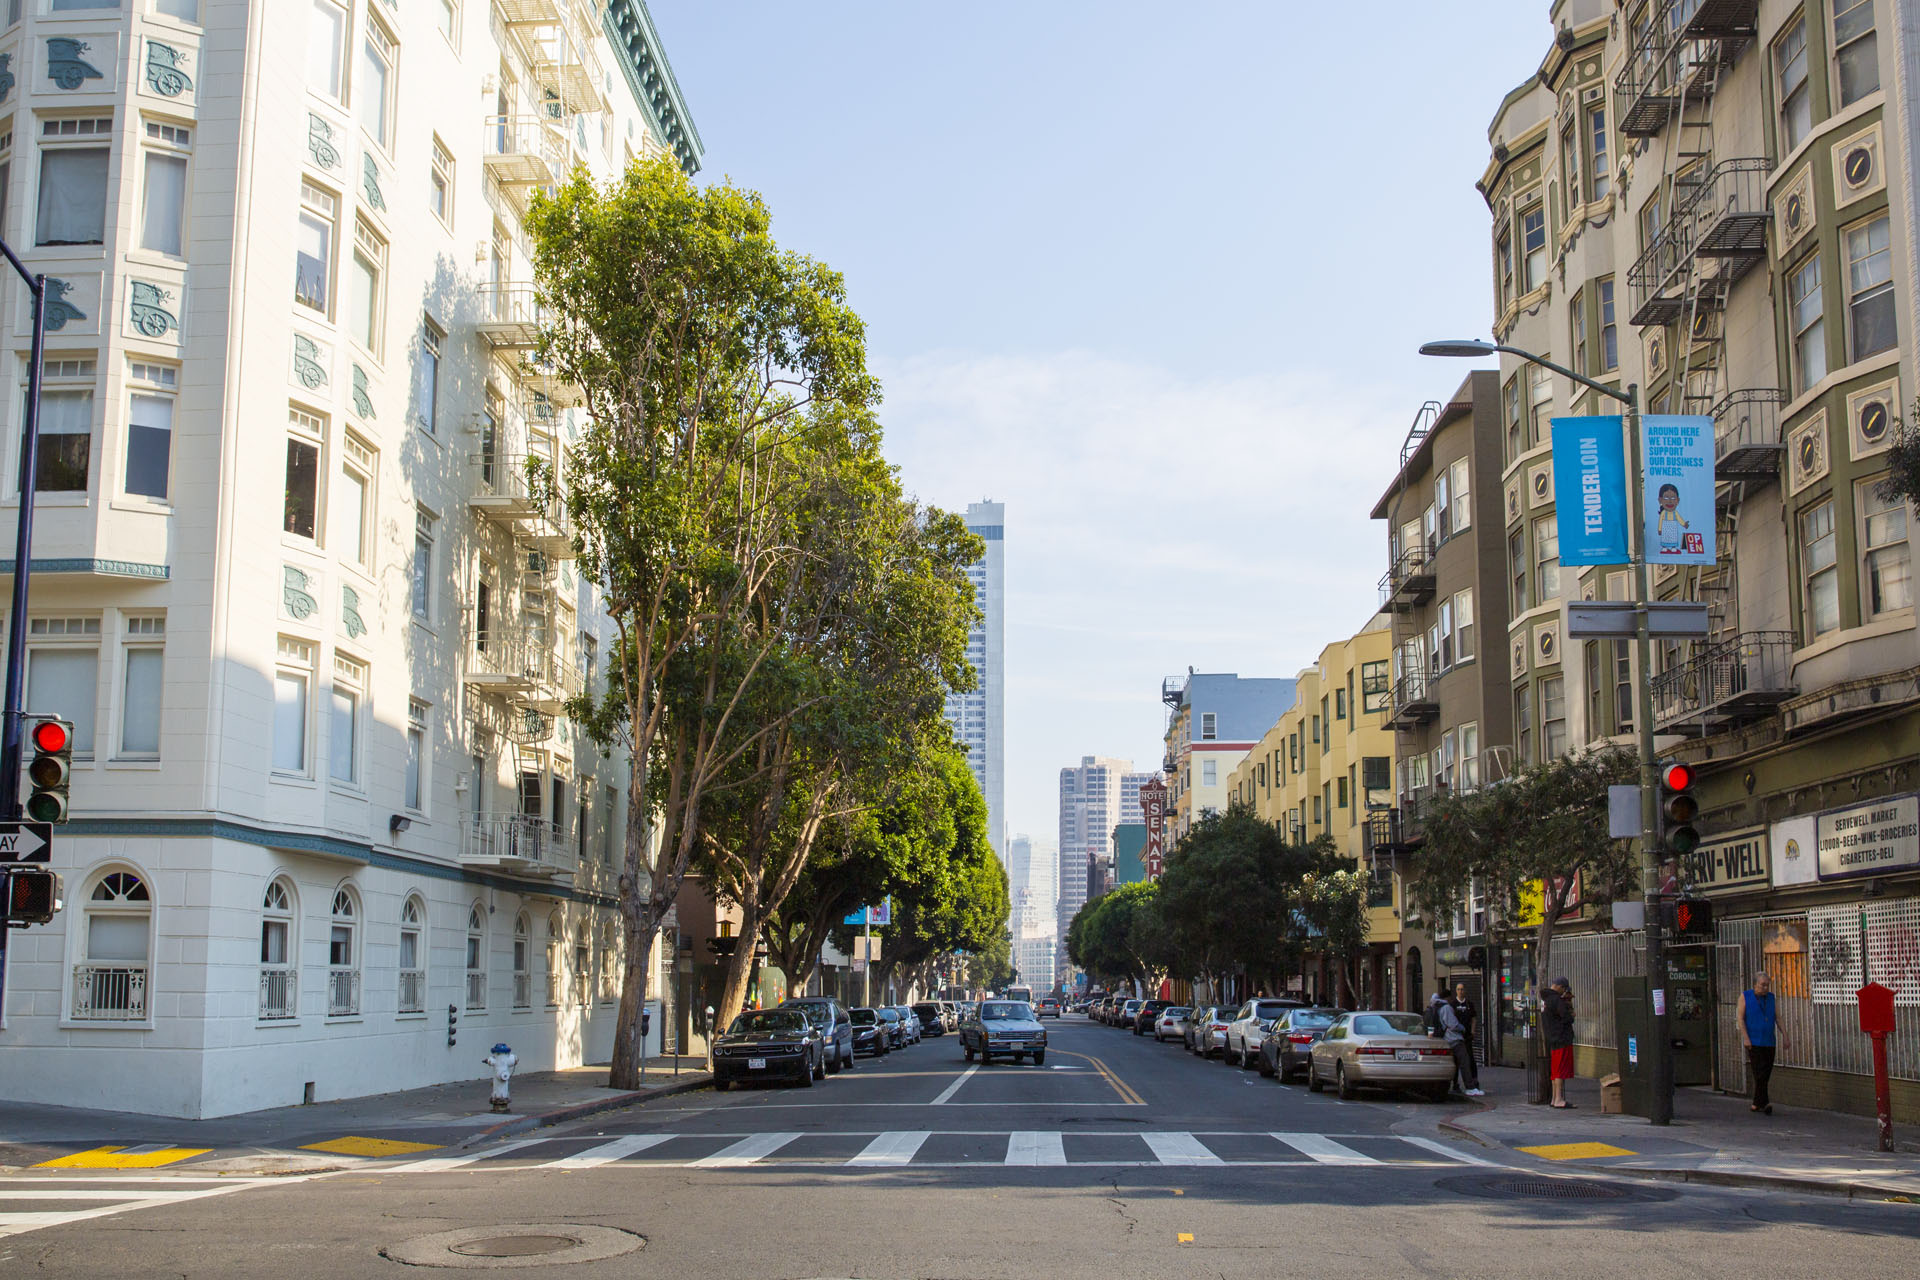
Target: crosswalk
(34,1202)
(955,1148)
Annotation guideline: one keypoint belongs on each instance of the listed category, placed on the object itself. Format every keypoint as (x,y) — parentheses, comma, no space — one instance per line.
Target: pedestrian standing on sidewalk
(1455,1032)
(1760,1032)
(1469,1016)
(1556,1028)
(1432,1014)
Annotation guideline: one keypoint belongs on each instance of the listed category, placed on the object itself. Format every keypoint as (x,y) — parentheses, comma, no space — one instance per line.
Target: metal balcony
(516,13)
(1747,443)
(1725,220)
(1408,582)
(1728,683)
(1672,57)
(1386,833)
(526,151)
(517,842)
(109,993)
(491,719)
(1412,701)
(510,318)
(562,60)
(503,494)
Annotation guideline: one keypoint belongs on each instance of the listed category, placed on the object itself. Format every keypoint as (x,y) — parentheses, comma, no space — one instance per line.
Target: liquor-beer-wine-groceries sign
(1869,839)
(1727,863)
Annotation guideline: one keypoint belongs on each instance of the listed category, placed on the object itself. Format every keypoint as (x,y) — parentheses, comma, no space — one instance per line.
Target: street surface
(1118,1158)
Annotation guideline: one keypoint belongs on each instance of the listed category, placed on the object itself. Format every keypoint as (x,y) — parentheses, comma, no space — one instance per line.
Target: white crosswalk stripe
(746,1151)
(1323,1150)
(608,1152)
(892,1148)
(440,1164)
(1036,1148)
(1180,1148)
(106,1197)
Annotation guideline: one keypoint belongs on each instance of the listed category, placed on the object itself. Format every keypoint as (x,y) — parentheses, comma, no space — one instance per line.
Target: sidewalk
(1713,1138)
(327,1135)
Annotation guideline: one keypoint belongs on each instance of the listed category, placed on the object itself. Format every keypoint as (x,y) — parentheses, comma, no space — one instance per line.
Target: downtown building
(1031,879)
(331,833)
(1090,807)
(979,716)
(1713,201)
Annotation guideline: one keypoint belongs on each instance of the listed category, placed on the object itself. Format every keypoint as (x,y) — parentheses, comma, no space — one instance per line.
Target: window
(446,15)
(1319,814)
(1503,255)
(1533,245)
(1510,396)
(313,249)
(1462,625)
(476,957)
(1459,513)
(1340,701)
(352,528)
(343,957)
(440,183)
(1622,687)
(276,952)
(609,826)
(1522,726)
(185,10)
(150,429)
(1209,723)
(1790,84)
(1653,221)
(1540,402)
(72,205)
(426,385)
(163,189)
(374,92)
(1209,773)
(1570,167)
(1546,555)
(1553,717)
(416,754)
(582,966)
(413,969)
(1888,558)
(1577,321)
(1601,184)
(553,960)
(1856,51)
(111,984)
(143,662)
(349,694)
(1441,643)
(1806,305)
(609,964)
(1609,329)
(522,962)
(1316,728)
(1820,581)
(292,679)
(63,674)
(326,45)
(1517,560)
(365,308)
(1340,793)
(63,462)
(1469,769)
(1373,686)
(304,433)
(1443,506)
(422,583)
(1870,323)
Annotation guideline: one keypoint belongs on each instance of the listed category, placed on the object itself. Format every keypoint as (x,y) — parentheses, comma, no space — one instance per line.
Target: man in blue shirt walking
(1759,1032)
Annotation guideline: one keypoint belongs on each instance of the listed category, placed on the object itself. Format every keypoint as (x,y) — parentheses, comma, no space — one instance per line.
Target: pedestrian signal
(33,895)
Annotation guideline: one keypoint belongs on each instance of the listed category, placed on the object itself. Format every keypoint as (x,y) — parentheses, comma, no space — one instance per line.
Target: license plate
(1406,1055)
(756,1064)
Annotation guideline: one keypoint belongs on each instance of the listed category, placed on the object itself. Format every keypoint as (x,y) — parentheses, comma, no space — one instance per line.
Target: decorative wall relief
(362,399)
(164,71)
(320,146)
(6,76)
(294,596)
(148,310)
(370,182)
(60,312)
(350,620)
(309,365)
(65,67)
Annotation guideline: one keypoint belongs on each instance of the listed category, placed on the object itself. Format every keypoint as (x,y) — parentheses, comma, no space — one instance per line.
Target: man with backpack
(1454,1031)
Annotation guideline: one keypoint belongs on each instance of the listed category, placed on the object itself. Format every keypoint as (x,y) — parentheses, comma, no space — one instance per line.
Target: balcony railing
(553,986)
(343,992)
(564,63)
(1725,219)
(413,991)
(1408,581)
(476,990)
(521,842)
(503,492)
(1412,701)
(1681,40)
(510,316)
(491,717)
(279,991)
(110,993)
(1727,683)
(525,151)
(1747,443)
(523,990)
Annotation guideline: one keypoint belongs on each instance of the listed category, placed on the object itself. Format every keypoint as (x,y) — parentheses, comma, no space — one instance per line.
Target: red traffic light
(51,736)
(1676,777)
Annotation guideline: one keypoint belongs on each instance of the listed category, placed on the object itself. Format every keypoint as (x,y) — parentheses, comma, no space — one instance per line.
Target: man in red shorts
(1556,1026)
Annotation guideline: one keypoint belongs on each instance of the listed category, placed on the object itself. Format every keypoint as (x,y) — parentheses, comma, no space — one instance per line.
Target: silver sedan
(1380,1049)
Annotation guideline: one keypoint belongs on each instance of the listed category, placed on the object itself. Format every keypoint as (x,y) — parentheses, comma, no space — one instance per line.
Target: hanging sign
(1590,488)
(1677,501)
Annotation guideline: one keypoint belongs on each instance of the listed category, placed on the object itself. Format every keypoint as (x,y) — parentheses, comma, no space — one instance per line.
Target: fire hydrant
(502,1061)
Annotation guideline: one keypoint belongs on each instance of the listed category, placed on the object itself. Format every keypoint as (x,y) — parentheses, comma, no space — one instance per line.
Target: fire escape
(1704,230)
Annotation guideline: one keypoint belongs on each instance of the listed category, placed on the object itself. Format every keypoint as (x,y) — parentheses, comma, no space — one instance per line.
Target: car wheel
(985,1057)
(1341,1082)
(833,1068)
(1040,1058)
(1313,1078)
(1265,1069)
(721,1086)
(819,1071)
(968,1052)
(806,1079)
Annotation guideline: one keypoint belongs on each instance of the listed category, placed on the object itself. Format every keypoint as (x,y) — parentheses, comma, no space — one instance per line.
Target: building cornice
(104,568)
(629,28)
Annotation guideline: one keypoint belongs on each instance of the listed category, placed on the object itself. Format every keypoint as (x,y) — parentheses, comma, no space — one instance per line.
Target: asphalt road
(1119,1158)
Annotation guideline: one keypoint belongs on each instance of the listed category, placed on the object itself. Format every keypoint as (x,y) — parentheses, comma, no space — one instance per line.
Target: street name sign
(26,841)
(1591,618)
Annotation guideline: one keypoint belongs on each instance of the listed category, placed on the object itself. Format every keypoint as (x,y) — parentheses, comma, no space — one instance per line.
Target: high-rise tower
(979,717)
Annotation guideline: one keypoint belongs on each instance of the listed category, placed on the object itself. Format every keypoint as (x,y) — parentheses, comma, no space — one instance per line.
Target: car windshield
(1264,1009)
(863,1017)
(1004,1010)
(888,1015)
(812,1012)
(1388,1024)
(1310,1020)
(761,1020)
(1175,1012)
(926,1008)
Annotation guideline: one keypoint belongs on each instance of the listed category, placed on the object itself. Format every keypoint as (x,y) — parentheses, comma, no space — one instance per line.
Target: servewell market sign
(1677,503)
(1590,490)
(1869,839)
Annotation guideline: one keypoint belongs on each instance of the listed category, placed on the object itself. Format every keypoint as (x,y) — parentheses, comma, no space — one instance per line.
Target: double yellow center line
(1121,1087)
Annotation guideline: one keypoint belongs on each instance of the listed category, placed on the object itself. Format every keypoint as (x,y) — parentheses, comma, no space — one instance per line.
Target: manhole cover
(1505,1186)
(498,1246)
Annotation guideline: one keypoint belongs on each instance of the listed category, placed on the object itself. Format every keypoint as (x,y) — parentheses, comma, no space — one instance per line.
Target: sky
(1152,275)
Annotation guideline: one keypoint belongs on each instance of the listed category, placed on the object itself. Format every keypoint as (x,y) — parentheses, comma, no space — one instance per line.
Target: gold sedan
(1381,1049)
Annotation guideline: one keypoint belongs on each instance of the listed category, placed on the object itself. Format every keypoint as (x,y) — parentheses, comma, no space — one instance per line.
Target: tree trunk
(733,996)
(641,925)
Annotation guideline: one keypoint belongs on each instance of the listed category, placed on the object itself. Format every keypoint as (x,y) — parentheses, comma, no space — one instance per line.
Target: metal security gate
(1730,968)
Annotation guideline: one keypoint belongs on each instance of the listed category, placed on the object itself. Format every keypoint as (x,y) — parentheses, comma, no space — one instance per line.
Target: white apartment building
(1090,807)
(979,717)
(332,835)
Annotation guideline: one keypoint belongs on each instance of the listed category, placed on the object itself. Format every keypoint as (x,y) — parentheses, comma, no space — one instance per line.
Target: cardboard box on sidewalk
(1610,1095)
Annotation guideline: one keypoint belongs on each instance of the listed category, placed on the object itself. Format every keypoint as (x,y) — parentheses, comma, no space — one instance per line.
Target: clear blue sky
(1152,275)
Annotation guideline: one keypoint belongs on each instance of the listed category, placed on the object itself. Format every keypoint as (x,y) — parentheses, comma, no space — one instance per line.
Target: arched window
(553,959)
(582,965)
(476,957)
(110,985)
(343,956)
(522,962)
(413,963)
(278,974)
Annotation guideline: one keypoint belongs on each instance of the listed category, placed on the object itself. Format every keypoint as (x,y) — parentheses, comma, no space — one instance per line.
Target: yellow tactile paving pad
(1576,1151)
(351,1146)
(141,1157)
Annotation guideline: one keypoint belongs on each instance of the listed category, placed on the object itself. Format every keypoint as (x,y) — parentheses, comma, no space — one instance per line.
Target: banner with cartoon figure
(1677,503)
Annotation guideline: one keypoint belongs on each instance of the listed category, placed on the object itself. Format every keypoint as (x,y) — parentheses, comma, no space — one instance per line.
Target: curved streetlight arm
(1625,397)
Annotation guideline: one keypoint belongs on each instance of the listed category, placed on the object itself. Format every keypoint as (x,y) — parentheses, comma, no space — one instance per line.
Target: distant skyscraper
(979,717)
(1030,881)
(1090,808)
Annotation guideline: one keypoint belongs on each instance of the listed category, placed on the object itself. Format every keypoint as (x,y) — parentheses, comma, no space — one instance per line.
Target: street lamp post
(1661,1107)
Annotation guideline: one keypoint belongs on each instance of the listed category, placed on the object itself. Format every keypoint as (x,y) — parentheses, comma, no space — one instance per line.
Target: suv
(932,1021)
(836,1027)
(1049,1008)
(1123,1014)
(1143,1017)
(1248,1026)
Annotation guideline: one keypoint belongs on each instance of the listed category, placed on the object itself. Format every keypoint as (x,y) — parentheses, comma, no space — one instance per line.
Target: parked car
(1210,1032)
(1142,1020)
(896,1035)
(1123,1016)
(1248,1026)
(869,1033)
(950,1015)
(1289,1041)
(1380,1049)
(933,1022)
(909,1023)
(1195,1020)
(1049,1007)
(769,1044)
(1172,1023)
(1006,1028)
(831,1017)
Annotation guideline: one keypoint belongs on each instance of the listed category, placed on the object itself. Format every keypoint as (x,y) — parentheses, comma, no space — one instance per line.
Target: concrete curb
(560,1115)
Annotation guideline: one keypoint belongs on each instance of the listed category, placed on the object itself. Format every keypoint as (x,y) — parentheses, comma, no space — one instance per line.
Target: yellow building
(1320,766)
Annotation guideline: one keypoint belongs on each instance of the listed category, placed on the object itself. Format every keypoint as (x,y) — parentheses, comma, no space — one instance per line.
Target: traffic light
(51,770)
(33,895)
(1679,807)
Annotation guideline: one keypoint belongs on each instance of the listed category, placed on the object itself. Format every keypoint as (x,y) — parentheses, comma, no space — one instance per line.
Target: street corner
(115,1157)
(370,1148)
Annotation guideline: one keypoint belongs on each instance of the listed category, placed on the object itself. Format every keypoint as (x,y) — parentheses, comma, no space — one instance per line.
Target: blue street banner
(879,916)
(1590,490)
(1677,502)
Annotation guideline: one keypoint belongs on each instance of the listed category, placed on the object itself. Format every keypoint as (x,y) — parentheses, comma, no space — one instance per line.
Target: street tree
(1231,896)
(1334,902)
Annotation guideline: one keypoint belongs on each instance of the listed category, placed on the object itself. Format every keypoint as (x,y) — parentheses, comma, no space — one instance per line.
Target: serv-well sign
(1676,453)
(1590,490)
